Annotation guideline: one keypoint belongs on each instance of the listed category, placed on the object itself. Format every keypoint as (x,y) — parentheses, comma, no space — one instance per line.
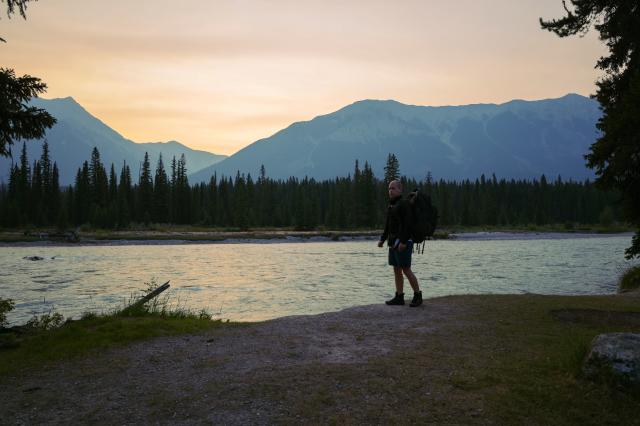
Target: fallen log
(149,296)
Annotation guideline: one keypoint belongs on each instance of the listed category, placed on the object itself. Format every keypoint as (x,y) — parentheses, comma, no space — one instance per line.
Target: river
(249,281)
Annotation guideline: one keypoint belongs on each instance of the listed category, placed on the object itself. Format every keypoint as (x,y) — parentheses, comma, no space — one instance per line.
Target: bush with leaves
(46,321)
(6,305)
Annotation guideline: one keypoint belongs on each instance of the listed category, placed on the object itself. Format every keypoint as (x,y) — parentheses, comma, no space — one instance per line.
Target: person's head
(395,189)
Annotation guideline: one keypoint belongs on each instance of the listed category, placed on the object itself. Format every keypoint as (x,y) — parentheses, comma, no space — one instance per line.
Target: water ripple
(259,281)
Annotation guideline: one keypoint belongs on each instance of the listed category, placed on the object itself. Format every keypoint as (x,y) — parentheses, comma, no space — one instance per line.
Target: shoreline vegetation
(87,235)
(48,336)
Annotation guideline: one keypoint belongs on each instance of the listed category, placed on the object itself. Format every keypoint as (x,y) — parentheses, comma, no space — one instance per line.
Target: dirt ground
(210,378)
(341,367)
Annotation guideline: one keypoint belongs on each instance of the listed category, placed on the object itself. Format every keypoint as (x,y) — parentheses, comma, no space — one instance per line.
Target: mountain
(75,134)
(517,139)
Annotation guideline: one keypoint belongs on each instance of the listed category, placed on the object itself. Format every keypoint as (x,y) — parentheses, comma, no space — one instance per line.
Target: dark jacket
(398,222)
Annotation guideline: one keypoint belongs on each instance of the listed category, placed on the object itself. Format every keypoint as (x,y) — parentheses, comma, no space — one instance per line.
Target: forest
(113,199)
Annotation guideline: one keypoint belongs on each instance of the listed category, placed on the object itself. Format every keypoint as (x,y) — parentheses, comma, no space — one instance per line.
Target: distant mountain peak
(515,139)
(77,132)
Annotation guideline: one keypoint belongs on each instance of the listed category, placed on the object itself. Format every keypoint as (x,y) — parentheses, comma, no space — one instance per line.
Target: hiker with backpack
(398,233)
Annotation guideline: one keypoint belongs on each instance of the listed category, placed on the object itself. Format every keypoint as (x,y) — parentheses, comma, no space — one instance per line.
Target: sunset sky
(218,75)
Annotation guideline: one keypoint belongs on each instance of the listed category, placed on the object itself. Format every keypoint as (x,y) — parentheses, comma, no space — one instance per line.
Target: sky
(219,75)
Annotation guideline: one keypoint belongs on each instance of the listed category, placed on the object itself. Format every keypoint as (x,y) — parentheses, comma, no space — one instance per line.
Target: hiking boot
(397,300)
(417,299)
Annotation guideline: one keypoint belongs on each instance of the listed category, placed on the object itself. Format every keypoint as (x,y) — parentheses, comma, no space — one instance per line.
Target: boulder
(615,359)
(34,258)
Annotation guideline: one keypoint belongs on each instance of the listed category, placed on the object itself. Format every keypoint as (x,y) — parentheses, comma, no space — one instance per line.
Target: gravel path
(230,375)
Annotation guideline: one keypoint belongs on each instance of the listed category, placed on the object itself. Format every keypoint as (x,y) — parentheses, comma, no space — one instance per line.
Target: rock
(33,258)
(615,359)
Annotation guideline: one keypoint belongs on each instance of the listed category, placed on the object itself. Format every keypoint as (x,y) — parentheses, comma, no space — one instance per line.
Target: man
(397,232)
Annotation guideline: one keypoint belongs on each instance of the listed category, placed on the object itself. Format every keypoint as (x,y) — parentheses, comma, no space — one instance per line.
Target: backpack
(424,216)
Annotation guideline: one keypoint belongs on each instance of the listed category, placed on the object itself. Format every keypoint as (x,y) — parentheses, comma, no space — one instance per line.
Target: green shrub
(6,305)
(46,321)
(630,280)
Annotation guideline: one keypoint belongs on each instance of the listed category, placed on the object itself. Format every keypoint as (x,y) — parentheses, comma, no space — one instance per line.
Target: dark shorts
(401,259)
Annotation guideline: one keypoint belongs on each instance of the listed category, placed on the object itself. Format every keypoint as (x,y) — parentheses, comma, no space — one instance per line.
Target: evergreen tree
(18,120)
(46,168)
(368,197)
(98,183)
(113,184)
(53,197)
(240,202)
(35,202)
(616,154)
(392,169)
(125,197)
(214,200)
(16,6)
(161,190)
(145,189)
(82,199)
(23,188)
(183,198)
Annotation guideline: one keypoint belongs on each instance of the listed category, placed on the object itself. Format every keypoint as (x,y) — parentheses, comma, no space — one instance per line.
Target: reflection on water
(259,281)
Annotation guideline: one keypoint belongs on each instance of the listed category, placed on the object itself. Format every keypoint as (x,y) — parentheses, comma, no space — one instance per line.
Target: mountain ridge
(515,139)
(518,138)
(77,131)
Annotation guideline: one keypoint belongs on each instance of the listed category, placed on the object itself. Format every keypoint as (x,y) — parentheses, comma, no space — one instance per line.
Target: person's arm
(385,233)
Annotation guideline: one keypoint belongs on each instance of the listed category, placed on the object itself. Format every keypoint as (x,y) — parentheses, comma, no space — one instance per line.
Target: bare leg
(397,271)
(411,277)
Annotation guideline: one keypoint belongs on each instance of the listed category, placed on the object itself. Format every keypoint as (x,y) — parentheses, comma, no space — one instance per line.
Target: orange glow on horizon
(219,75)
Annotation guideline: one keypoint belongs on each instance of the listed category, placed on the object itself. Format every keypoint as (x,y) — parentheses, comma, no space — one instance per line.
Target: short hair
(398,182)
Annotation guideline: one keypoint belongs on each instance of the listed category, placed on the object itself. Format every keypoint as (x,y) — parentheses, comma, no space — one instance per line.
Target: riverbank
(496,359)
(183,236)
(187,234)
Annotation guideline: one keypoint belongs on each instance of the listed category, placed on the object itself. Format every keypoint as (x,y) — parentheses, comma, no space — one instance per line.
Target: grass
(502,359)
(510,363)
(630,279)
(47,338)
(94,334)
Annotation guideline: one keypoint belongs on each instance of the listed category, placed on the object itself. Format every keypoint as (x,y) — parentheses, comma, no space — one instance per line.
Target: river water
(251,281)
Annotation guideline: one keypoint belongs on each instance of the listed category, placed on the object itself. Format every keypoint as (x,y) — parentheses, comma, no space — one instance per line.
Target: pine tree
(53,197)
(82,195)
(18,119)
(36,204)
(113,184)
(23,187)
(145,189)
(98,183)
(392,169)
(47,186)
(161,192)
(45,164)
(240,202)
(615,156)
(368,197)
(125,197)
(182,192)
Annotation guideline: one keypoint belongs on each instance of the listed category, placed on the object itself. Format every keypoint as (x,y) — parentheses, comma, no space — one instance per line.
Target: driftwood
(149,296)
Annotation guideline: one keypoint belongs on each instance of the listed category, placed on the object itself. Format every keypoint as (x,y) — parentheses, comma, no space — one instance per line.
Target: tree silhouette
(616,154)
(392,169)
(145,184)
(12,5)
(17,119)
